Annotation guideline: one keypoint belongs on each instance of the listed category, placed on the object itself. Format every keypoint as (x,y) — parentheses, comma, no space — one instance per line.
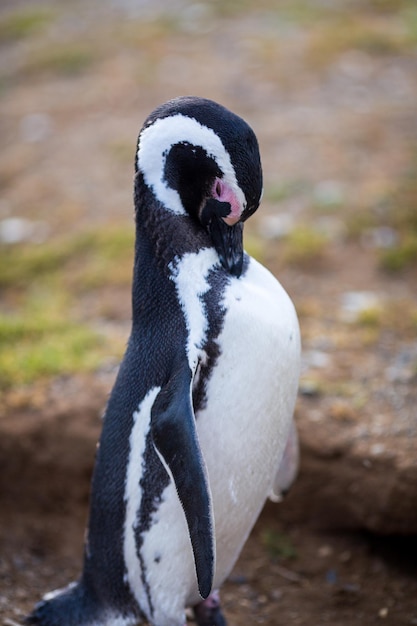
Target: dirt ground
(331,91)
(290,572)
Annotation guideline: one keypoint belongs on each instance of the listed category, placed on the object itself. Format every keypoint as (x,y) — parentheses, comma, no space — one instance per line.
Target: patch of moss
(400,316)
(21,264)
(45,350)
(387,6)
(409,16)
(401,256)
(358,222)
(40,336)
(295,11)
(121,151)
(68,59)
(375,37)
(23,23)
(146,35)
(228,8)
(109,260)
(304,245)
(254,246)
(104,252)
(40,340)
(371,317)
(278,545)
(278,192)
(399,211)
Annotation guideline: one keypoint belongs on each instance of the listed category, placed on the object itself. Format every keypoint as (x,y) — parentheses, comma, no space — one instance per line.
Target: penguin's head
(201,160)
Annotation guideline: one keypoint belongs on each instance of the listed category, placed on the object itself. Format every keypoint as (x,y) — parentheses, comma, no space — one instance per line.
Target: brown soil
(290,572)
(349,118)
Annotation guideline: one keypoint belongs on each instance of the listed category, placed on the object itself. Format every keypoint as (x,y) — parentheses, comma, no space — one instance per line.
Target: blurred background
(330,88)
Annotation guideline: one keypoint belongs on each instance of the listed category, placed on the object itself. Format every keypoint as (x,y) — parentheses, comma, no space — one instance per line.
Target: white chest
(242,431)
(251,396)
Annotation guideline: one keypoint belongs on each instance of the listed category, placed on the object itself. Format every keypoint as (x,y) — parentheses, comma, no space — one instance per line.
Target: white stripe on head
(157,139)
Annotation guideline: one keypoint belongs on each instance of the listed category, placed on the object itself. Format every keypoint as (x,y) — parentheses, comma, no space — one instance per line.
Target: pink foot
(208,611)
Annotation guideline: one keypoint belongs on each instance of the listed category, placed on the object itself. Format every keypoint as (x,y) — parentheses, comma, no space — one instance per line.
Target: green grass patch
(287,189)
(293,11)
(68,59)
(254,246)
(40,335)
(371,317)
(396,210)
(109,261)
(304,245)
(101,256)
(377,37)
(278,545)
(398,317)
(359,221)
(388,6)
(400,256)
(399,211)
(21,264)
(409,16)
(23,23)
(41,340)
(147,36)
(229,8)
(45,349)
(121,151)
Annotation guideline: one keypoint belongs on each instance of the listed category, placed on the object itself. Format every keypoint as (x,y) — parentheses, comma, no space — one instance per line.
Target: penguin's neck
(161,238)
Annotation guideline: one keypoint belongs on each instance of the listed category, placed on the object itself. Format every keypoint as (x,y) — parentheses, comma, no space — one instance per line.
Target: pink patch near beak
(222,192)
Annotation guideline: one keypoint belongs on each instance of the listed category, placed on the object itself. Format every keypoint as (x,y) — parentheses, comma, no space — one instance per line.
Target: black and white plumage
(199,416)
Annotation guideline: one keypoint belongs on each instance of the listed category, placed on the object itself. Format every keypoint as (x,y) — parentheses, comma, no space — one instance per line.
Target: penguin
(197,422)
(288,468)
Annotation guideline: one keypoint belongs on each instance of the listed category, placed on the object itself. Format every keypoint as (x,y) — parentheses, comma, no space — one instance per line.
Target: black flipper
(175,438)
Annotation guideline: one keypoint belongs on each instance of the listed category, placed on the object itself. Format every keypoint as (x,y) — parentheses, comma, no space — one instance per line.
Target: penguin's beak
(228,242)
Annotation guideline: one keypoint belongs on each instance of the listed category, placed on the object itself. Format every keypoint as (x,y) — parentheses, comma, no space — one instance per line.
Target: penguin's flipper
(175,439)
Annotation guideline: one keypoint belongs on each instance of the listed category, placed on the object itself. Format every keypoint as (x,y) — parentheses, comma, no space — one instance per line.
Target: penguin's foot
(46,614)
(208,611)
(41,616)
(64,607)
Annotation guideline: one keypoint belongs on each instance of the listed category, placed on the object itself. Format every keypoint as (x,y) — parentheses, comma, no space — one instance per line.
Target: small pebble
(276,226)
(331,577)
(315,359)
(383,613)
(276,594)
(345,557)
(350,588)
(35,127)
(356,302)
(382,237)
(377,448)
(309,388)
(18,229)
(325,551)
(329,193)
(238,579)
